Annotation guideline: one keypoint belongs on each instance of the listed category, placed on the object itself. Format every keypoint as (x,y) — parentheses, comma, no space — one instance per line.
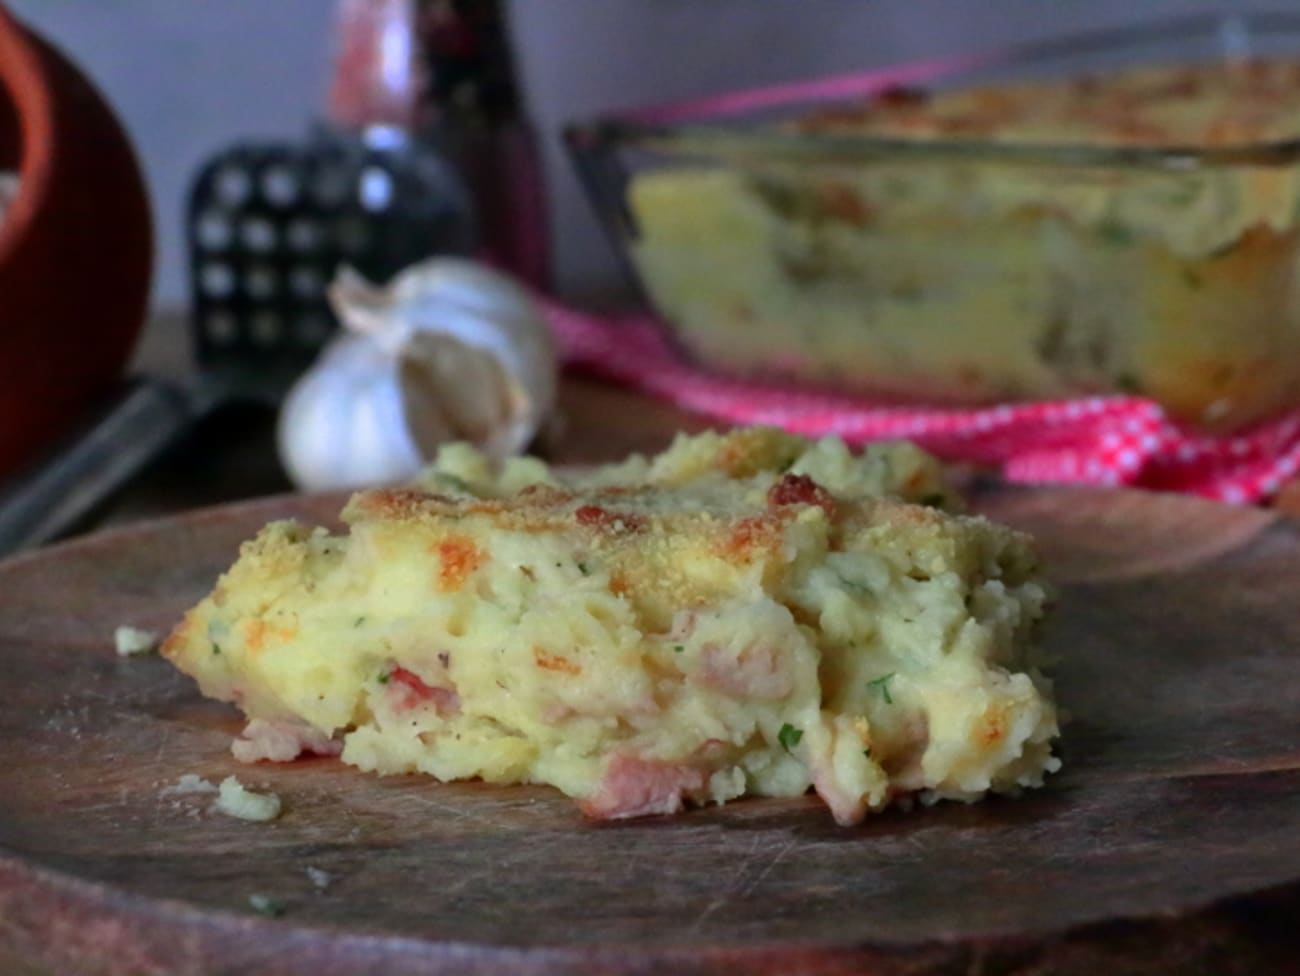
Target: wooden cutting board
(1170,842)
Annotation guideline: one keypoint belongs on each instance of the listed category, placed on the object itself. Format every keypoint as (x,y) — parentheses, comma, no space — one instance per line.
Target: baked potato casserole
(1023,241)
(748,613)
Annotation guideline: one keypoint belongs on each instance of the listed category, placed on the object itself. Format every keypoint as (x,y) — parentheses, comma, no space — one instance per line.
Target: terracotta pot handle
(76,246)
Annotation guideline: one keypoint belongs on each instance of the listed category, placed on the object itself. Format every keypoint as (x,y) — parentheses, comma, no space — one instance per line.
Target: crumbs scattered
(266,905)
(320,878)
(187,785)
(132,640)
(234,800)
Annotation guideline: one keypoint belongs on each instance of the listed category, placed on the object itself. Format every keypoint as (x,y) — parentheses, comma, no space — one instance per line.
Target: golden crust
(1185,105)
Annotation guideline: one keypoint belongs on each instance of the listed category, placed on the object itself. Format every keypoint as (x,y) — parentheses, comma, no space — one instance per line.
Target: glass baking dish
(778,241)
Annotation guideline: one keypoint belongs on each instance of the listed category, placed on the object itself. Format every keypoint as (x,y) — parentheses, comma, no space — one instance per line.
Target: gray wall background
(190,76)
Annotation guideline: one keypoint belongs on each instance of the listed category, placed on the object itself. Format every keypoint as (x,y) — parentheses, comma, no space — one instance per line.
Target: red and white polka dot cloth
(1115,440)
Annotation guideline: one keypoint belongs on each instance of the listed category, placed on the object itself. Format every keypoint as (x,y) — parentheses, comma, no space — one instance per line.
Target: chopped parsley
(265,905)
(678,648)
(789,736)
(216,649)
(933,500)
(852,586)
(1113,232)
(883,684)
(359,621)
(383,678)
(867,752)
(584,569)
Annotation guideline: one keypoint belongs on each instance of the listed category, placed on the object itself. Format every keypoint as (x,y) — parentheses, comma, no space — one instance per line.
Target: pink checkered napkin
(1115,440)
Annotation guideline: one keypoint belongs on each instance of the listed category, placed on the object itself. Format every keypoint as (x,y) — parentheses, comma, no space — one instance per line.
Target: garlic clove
(455,297)
(463,386)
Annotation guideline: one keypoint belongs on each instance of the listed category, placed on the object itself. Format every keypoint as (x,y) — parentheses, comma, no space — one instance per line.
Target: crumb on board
(266,905)
(130,641)
(234,800)
(187,785)
(319,878)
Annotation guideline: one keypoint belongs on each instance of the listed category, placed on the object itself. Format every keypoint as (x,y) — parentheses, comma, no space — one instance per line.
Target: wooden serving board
(1170,842)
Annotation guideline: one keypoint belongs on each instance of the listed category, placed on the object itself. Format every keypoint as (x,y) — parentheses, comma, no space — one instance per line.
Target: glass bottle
(475,107)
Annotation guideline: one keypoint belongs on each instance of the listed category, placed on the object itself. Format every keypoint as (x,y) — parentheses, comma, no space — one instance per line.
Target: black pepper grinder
(269,224)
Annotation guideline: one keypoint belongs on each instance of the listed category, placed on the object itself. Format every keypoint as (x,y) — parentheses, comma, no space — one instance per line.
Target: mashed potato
(744,614)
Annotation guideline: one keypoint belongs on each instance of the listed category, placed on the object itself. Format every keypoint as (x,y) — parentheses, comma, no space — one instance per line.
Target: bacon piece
(557,712)
(281,742)
(799,489)
(593,516)
(406,690)
(636,787)
(749,534)
(754,672)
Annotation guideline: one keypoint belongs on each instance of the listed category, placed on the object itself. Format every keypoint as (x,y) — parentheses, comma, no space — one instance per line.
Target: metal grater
(268,225)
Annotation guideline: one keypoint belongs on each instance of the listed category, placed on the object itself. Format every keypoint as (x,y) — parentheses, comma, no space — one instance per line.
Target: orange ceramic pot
(76,246)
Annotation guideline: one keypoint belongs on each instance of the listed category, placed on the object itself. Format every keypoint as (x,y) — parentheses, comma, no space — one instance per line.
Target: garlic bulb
(448,350)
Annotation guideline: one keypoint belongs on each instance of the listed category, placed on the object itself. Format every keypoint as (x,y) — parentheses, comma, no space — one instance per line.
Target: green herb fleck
(867,752)
(265,905)
(933,500)
(383,678)
(1114,233)
(216,649)
(789,736)
(584,569)
(883,684)
(359,621)
(852,586)
(678,648)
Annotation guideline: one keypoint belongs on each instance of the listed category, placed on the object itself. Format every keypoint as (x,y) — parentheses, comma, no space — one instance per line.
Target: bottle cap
(378,78)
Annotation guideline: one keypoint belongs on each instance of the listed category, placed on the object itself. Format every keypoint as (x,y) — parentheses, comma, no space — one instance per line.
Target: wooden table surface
(1166,845)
